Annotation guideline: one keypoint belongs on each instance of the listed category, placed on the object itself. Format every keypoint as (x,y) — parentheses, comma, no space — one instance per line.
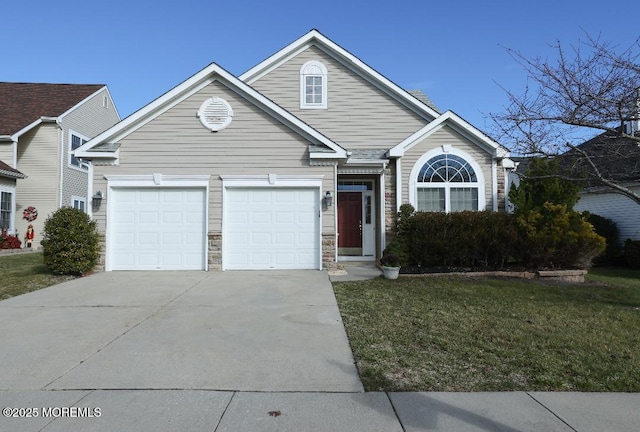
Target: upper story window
(313,86)
(75,141)
(447,182)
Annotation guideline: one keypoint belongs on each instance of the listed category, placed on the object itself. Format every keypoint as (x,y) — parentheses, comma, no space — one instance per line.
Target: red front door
(350,219)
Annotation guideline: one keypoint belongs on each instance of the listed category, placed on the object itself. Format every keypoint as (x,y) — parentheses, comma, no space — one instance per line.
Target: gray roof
(7,171)
(419,94)
(368,153)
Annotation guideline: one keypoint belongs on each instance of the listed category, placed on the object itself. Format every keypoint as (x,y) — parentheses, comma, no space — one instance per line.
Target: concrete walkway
(232,351)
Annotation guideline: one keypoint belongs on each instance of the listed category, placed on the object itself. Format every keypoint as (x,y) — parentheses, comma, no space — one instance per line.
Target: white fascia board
(26,129)
(322,155)
(192,85)
(458,124)
(314,37)
(273,61)
(381,162)
(149,111)
(271,180)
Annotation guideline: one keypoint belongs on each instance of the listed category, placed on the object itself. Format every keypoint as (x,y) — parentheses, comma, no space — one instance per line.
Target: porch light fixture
(96,200)
(328,199)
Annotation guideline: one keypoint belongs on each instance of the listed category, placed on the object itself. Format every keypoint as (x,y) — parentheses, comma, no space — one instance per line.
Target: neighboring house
(617,159)
(8,177)
(302,161)
(40,124)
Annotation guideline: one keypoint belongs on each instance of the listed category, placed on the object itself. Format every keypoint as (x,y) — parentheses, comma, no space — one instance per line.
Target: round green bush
(71,243)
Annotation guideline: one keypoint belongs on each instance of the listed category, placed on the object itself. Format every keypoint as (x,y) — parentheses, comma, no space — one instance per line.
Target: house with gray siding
(40,125)
(299,163)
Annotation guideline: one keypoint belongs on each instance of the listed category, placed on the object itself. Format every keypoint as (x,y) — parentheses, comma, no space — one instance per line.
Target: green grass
(23,273)
(471,334)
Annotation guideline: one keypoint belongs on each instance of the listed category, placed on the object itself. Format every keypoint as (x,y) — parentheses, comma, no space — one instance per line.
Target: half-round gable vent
(215,114)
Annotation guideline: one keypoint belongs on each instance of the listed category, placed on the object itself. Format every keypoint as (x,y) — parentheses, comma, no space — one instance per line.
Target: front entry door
(350,223)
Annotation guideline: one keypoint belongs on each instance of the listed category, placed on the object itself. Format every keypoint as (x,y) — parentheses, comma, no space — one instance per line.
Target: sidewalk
(232,351)
(220,411)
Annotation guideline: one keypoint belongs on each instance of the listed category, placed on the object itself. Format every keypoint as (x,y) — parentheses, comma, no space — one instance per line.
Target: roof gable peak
(315,38)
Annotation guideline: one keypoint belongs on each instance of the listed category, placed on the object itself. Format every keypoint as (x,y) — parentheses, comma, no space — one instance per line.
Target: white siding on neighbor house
(6,153)
(622,210)
(447,136)
(36,151)
(88,119)
(177,143)
(359,115)
(4,181)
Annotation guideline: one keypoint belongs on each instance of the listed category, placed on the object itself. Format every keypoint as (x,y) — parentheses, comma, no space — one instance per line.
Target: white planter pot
(390,272)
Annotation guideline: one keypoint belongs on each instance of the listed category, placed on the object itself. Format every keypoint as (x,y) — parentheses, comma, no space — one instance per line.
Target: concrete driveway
(245,331)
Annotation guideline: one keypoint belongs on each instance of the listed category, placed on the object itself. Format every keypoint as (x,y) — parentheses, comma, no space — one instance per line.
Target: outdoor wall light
(328,199)
(96,200)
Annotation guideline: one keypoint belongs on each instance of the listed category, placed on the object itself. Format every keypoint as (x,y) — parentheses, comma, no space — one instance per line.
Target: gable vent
(215,114)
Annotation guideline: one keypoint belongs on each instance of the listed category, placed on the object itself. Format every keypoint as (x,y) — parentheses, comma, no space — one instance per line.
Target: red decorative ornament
(30,214)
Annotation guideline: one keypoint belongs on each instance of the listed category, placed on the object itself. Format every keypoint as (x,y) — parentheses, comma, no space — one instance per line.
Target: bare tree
(592,88)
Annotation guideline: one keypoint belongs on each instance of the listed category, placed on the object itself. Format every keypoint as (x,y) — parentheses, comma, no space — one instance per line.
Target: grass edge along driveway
(25,272)
(482,334)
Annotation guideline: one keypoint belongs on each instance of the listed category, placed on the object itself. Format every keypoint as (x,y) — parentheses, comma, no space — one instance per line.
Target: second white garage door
(271,228)
(157,229)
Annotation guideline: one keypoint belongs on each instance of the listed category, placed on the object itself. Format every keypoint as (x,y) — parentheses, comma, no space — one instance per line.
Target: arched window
(447,182)
(313,85)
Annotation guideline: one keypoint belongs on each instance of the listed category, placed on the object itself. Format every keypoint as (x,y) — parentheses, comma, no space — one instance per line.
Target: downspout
(494,183)
(398,184)
(61,166)
(15,153)
(335,210)
(89,202)
(383,205)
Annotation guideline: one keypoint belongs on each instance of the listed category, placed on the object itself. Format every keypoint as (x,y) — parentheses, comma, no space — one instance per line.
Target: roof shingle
(23,103)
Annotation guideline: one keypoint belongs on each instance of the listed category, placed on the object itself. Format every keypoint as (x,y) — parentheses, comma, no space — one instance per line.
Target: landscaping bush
(400,245)
(632,253)
(462,239)
(557,238)
(9,242)
(71,243)
(609,230)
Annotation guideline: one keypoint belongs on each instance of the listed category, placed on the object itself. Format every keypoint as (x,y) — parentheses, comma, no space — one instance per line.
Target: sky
(454,51)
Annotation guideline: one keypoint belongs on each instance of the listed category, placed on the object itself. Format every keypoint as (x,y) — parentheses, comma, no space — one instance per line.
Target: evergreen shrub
(71,243)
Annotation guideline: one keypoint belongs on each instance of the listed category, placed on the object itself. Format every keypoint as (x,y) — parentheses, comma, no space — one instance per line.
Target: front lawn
(22,273)
(481,334)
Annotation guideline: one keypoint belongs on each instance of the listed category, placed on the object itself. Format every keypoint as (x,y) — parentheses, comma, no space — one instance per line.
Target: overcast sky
(452,50)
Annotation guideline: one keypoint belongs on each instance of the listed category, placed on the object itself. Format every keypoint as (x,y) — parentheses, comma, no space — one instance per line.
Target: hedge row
(551,237)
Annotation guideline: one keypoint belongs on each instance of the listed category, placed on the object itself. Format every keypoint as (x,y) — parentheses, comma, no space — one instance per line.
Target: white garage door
(157,229)
(271,228)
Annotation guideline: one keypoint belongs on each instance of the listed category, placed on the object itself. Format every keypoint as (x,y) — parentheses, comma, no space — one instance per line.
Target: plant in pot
(390,265)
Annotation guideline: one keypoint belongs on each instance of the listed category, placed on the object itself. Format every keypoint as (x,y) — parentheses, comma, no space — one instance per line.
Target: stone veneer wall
(390,213)
(100,265)
(329,251)
(214,252)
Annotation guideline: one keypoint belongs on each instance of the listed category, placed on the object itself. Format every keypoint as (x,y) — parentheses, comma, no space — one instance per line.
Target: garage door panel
(172,217)
(147,238)
(260,217)
(272,228)
(158,229)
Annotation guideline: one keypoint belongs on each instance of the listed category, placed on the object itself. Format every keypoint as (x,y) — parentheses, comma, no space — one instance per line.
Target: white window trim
(303,93)
(414,184)
(12,214)
(84,166)
(75,198)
